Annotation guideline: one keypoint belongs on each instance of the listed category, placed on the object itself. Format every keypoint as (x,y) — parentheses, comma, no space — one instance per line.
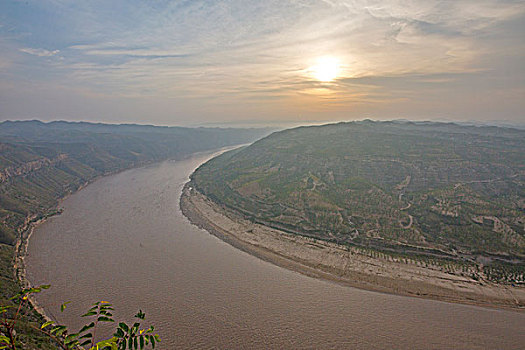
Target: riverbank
(25,233)
(32,223)
(351,266)
(19,265)
(14,280)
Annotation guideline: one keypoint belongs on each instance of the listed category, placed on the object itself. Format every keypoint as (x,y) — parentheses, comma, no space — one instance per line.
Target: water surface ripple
(124,239)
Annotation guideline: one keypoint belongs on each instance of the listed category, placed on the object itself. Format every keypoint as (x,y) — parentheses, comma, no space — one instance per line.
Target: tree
(125,336)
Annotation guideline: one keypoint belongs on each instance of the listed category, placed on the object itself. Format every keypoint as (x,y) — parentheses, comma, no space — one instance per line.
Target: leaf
(5,308)
(32,290)
(90,313)
(141,341)
(111,343)
(46,324)
(85,342)
(72,336)
(106,313)
(119,333)
(86,327)
(61,331)
(152,342)
(123,326)
(16,296)
(57,329)
(5,339)
(71,339)
(72,343)
(63,306)
(105,319)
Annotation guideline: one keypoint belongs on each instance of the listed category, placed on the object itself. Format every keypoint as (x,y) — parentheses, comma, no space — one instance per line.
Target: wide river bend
(124,239)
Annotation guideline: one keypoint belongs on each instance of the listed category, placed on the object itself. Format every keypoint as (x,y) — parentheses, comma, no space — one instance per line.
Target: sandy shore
(342,264)
(19,264)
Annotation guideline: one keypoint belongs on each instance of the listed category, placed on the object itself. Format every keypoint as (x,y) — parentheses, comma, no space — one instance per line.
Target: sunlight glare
(326,69)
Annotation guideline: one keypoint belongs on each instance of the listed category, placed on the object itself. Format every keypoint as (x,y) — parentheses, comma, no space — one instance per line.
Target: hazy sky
(255,61)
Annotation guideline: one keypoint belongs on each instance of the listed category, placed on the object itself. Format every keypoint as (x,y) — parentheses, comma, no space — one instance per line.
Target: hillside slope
(43,162)
(424,189)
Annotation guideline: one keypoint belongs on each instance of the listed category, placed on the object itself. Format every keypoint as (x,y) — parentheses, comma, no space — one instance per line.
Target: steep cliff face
(26,168)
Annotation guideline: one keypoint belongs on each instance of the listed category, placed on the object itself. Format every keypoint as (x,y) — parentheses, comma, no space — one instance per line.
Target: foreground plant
(125,336)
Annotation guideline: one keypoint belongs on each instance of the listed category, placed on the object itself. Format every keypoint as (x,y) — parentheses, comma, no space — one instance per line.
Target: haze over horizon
(192,63)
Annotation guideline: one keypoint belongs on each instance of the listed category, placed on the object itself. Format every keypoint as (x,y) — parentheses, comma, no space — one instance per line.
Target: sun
(326,69)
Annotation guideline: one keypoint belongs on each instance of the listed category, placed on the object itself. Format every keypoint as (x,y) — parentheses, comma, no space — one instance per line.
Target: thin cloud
(39,52)
(239,52)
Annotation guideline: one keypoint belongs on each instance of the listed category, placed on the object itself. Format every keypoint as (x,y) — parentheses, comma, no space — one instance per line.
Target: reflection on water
(124,239)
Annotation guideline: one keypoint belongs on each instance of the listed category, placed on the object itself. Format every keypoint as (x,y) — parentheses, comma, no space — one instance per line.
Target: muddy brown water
(123,239)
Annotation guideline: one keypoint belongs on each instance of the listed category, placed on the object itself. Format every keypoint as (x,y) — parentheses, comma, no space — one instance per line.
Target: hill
(437,190)
(41,163)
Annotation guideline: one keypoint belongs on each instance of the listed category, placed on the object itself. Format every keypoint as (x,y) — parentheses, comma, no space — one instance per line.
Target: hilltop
(431,193)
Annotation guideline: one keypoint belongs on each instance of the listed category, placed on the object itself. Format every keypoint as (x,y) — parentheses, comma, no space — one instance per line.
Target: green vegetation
(40,162)
(43,162)
(440,191)
(125,336)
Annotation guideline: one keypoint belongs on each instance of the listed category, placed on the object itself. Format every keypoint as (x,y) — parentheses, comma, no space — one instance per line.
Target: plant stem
(95,328)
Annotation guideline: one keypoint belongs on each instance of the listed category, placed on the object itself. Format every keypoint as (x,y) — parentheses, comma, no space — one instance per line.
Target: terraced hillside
(423,189)
(42,162)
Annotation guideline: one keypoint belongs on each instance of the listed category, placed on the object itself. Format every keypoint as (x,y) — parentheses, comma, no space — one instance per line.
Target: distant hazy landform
(41,162)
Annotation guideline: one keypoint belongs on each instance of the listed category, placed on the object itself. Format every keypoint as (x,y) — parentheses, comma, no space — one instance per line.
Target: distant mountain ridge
(41,162)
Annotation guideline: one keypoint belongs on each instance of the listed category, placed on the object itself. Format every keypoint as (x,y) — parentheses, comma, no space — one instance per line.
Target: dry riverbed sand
(347,265)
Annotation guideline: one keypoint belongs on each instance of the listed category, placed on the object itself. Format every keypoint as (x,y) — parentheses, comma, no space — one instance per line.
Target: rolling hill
(437,190)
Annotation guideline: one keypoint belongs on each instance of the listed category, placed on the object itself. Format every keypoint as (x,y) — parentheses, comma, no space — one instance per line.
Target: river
(123,239)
